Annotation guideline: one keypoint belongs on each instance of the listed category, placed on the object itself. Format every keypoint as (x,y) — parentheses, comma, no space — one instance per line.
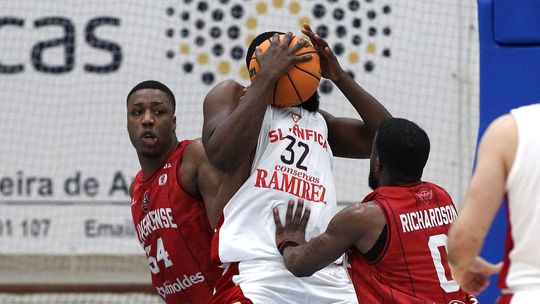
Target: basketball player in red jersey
(395,238)
(270,155)
(168,198)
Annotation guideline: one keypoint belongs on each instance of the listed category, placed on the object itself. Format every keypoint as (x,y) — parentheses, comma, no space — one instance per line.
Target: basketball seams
(308,52)
(307,72)
(294,87)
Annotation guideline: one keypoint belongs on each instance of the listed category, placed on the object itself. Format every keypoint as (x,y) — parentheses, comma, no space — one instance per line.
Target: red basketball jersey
(172,226)
(412,266)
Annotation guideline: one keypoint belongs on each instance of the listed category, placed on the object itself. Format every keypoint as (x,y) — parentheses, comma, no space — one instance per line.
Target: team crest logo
(162,179)
(296,117)
(146,202)
(425,195)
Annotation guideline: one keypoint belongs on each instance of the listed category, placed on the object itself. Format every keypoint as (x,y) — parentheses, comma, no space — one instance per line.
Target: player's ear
(174,123)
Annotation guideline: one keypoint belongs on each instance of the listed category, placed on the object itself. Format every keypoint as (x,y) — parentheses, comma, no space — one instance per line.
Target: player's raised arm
(348,137)
(233,114)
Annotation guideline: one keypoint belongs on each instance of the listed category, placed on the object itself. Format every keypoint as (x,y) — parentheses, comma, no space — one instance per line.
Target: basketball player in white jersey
(270,155)
(508,165)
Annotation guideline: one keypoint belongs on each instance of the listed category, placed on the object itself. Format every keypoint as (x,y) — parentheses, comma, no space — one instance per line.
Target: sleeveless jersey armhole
(373,254)
(377,252)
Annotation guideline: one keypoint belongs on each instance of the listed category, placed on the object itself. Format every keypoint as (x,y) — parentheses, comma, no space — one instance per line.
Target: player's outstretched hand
(294,229)
(330,67)
(279,57)
(476,278)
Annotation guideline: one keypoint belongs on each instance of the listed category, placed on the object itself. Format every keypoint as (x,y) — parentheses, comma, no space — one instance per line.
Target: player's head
(312,104)
(150,118)
(400,152)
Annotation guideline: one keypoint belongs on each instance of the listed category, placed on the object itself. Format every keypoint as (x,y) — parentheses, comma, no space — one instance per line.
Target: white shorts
(267,281)
(521,297)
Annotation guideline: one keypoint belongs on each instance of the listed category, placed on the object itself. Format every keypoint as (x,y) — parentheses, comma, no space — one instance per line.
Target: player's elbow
(218,156)
(297,269)
(301,272)
(461,242)
(220,162)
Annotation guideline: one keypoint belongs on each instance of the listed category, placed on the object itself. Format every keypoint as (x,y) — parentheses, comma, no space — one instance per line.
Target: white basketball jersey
(293,160)
(523,194)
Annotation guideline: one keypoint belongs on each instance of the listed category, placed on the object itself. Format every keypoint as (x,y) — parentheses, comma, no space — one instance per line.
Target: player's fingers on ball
(277,220)
(275,39)
(328,51)
(297,46)
(323,42)
(307,27)
(305,219)
(303,58)
(258,53)
(308,32)
(290,207)
(287,39)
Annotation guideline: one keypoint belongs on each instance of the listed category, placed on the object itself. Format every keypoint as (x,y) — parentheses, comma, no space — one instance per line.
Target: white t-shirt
(293,160)
(523,194)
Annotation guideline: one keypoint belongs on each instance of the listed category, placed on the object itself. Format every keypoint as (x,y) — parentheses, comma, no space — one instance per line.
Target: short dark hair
(155,85)
(403,147)
(256,41)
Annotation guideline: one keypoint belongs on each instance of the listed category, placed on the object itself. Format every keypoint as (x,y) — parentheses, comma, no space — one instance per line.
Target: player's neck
(401,181)
(149,165)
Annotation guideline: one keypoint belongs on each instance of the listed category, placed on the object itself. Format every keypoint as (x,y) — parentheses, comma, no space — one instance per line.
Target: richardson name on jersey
(428,218)
(180,284)
(154,220)
(292,181)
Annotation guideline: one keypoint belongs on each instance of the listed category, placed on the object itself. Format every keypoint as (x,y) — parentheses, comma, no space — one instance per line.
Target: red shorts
(226,291)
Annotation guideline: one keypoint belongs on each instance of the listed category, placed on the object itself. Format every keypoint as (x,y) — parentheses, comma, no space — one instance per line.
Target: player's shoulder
(225,93)
(358,215)
(365,211)
(501,133)
(136,179)
(194,151)
(327,116)
(226,87)
(503,123)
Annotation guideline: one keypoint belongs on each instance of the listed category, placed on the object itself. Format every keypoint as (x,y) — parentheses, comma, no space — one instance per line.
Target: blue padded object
(509,78)
(517,21)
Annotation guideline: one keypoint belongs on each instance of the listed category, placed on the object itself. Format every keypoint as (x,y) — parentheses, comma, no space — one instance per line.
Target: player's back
(409,264)
(521,270)
(173,229)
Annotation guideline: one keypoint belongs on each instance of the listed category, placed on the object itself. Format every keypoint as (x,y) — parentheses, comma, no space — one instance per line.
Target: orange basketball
(300,82)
